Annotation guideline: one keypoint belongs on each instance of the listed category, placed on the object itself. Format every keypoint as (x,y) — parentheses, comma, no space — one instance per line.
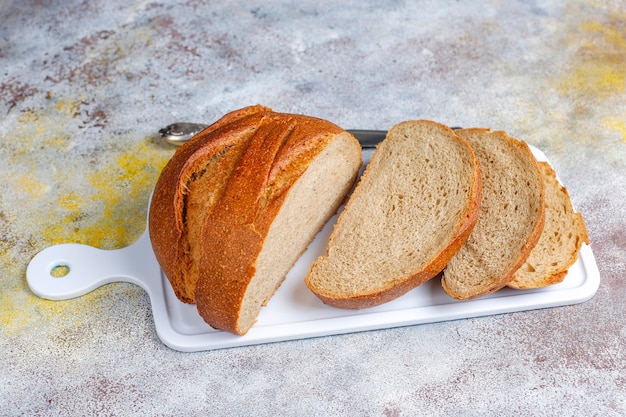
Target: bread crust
(271,152)
(165,220)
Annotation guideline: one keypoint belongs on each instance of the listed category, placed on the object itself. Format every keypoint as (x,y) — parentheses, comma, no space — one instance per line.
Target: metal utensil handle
(179,133)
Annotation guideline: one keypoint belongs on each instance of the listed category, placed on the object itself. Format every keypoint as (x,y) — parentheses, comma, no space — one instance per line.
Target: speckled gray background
(85,86)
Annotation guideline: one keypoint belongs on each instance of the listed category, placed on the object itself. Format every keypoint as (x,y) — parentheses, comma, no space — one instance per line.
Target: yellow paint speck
(611,34)
(11,317)
(618,124)
(597,78)
(120,188)
(68,106)
(32,185)
(70,201)
(599,68)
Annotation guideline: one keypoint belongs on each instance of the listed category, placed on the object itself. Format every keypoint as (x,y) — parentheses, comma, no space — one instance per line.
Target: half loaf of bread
(413,208)
(563,235)
(236,206)
(511,219)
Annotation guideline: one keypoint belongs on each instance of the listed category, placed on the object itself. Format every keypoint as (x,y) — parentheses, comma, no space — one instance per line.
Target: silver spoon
(179,133)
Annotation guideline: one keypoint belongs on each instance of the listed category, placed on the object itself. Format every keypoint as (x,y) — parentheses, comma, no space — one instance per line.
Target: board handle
(70,270)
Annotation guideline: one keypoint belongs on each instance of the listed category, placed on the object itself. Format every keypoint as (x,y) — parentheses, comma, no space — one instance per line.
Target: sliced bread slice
(413,208)
(562,237)
(512,216)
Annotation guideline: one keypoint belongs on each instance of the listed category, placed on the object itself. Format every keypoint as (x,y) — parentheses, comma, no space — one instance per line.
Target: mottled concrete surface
(85,85)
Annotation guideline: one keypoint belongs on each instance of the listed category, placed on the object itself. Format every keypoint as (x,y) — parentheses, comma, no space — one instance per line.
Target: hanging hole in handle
(59,271)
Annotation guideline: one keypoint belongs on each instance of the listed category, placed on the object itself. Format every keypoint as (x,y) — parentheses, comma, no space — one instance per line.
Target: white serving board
(294,312)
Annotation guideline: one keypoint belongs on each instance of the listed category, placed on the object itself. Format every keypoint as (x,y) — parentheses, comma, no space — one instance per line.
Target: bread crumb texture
(563,235)
(409,205)
(510,220)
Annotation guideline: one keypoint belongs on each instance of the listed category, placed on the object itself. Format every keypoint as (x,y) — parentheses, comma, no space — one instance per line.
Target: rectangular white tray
(294,312)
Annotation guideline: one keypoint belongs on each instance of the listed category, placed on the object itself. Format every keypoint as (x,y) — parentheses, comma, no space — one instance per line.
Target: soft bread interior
(407,209)
(563,235)
(311,201)
(510,221)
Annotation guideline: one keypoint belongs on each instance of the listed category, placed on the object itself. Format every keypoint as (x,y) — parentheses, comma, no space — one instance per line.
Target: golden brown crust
(166,224)
(250,158)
